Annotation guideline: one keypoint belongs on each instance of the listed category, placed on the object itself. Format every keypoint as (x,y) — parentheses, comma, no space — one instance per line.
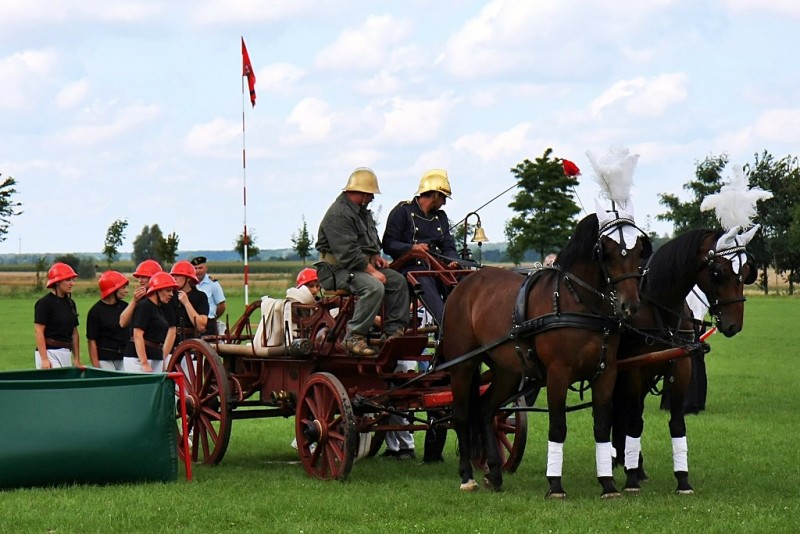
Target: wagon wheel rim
(325,428)
(207,401)
(511,433)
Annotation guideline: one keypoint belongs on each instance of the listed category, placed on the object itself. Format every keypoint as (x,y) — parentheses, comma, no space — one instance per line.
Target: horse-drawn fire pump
(340,402)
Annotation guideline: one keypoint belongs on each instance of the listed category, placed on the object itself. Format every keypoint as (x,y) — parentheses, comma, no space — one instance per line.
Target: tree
(545,207)
(772,245)
(167,249)
(252,250)
(83,266)
(151,244)
(144,245)
(687,215)
(7,205)
(302,242)
(114,237)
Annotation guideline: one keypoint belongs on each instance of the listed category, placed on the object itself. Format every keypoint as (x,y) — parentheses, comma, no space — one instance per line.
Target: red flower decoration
(570,169)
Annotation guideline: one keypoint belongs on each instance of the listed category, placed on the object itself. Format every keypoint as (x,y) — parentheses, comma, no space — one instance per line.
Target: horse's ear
(647,247)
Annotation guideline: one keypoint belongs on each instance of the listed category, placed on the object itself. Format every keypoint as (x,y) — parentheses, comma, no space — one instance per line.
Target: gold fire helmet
(434,180)
(363,180)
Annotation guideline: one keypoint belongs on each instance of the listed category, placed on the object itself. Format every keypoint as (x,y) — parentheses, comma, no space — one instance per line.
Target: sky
(133,109)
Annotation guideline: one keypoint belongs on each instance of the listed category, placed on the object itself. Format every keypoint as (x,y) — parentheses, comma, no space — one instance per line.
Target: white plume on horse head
(613,172)
(735,204)
(735,208)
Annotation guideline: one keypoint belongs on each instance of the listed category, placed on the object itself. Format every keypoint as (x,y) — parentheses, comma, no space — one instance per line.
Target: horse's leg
(504,385)
(629,417)
(677,426)
(602,408)
(462,384)
(557,384)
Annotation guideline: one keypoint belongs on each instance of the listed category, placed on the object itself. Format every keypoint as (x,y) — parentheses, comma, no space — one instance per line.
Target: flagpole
(244,195)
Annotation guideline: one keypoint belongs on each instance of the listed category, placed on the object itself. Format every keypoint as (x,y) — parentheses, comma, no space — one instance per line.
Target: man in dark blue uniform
(420,224)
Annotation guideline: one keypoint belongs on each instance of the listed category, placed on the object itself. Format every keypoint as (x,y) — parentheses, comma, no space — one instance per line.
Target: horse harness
(525,329)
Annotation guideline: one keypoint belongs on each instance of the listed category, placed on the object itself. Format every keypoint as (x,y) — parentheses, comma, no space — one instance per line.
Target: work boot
(394,335)
(358,346)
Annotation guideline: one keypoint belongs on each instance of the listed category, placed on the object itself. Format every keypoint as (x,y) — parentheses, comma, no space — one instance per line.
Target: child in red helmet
(55,321)
(107,338)
(152,331)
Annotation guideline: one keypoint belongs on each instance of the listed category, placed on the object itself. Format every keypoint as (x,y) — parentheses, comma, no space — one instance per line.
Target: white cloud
(313,119)
(125,120)
(789,8)
(495,147)
(22,75)
(72,94)
(414,121)
(778,125)
(214,12)
(280,77)
(366,47)
(643,97)
(15,12)
(212,138)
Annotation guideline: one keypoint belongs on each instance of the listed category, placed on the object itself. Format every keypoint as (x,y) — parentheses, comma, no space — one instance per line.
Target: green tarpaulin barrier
(72,425)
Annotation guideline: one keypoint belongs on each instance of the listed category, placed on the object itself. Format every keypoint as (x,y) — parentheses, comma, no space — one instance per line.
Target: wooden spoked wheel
(326,428)
(207,400)
(511,433)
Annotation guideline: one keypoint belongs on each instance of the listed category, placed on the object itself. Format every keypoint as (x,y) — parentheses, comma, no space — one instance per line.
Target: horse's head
(621,263)
(721,276)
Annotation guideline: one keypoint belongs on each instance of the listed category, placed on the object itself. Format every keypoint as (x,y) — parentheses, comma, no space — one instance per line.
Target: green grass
(744,465)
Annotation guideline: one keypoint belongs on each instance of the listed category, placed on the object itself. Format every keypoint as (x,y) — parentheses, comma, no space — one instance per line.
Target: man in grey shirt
(350,259)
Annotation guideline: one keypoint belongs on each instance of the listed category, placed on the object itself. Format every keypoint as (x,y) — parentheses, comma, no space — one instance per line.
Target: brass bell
(480,235)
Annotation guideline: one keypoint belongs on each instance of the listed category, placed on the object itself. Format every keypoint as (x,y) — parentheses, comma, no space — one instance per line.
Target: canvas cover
(72,425)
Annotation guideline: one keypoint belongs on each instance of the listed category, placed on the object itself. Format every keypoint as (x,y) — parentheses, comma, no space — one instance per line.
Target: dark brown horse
(555,327)
(664,323)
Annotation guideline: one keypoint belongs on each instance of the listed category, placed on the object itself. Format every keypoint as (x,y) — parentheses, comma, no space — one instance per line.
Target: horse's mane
(677,258)
(581,244)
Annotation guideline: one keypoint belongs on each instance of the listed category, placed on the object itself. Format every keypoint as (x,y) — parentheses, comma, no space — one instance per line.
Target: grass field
(744,465)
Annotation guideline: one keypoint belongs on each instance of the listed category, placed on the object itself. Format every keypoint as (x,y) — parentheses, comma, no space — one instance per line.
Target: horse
(664,323)
(556,326)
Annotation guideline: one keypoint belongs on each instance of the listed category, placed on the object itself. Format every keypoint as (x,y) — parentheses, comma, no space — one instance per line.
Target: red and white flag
(247,70)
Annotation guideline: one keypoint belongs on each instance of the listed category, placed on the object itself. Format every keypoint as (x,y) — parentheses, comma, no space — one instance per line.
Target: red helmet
(161,280)
(147,268)
(59,272)
(110,282)
(184,268)
(306,275)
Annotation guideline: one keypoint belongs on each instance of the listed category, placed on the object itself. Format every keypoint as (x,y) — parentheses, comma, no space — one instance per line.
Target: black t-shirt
(58,315)
(102,326)
(150,318)
(199,302)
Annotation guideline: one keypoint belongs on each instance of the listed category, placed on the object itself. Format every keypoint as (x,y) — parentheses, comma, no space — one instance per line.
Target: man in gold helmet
(350,258)
(421,224)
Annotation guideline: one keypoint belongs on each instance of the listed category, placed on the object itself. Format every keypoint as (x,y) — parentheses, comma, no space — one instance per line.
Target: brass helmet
(363,180)
(434,180)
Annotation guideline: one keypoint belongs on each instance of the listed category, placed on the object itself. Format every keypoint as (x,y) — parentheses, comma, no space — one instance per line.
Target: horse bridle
(717,272)
(605,228)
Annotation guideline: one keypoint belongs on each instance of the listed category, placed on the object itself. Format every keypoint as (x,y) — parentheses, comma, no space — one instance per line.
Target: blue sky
(133,108)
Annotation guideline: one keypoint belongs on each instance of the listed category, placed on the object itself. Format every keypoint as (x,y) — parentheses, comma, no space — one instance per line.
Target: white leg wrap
(555,458)
(602,452)
(633,446)
(680,454)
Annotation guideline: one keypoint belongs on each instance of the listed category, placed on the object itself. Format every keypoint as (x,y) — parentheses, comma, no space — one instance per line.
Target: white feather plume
(735,204)
(613,171)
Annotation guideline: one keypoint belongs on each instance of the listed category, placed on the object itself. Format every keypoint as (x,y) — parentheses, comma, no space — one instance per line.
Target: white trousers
(57,357)
(133,365)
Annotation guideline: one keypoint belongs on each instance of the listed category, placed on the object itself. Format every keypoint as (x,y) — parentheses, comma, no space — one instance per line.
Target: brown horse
(556,326)
(663,323)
